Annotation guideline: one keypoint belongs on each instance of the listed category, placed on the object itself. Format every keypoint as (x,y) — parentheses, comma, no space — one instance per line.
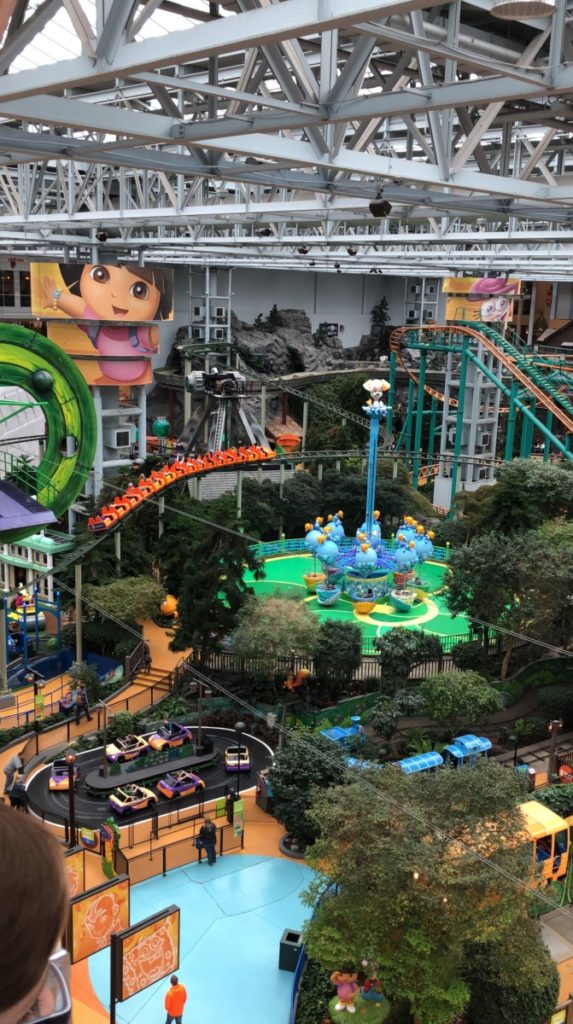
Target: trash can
(528,773)
(289,950)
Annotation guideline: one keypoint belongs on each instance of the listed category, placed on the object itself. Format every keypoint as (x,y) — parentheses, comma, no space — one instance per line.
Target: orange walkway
(163,660)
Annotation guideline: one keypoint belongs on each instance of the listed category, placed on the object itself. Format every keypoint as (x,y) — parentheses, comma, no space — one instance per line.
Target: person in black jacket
(17,792)
(208,838)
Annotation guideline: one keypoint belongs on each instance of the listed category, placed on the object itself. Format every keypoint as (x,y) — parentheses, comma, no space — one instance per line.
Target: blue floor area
(232,917)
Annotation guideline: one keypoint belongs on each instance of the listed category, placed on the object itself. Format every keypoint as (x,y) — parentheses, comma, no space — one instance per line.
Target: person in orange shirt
(175,1000)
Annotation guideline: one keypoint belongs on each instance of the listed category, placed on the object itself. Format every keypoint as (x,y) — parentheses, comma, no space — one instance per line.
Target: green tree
(451,698)
(127,599)
(185,526)
(275,626)
(301,503)
(307,763)
(212,590)
(400,883)
(401,650)
(512,980)
(337,653)
(386,713)
(261,509)
(379,320)
(526,493)
(522,584)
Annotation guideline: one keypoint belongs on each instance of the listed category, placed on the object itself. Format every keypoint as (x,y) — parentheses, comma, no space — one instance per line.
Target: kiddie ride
(167,754)
(181,468)
(361,568)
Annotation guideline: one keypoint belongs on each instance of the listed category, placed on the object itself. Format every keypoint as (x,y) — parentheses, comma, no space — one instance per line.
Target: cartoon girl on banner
(102,293)
(496,303)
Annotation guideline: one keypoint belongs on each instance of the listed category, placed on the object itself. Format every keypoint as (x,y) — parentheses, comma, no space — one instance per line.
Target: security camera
(102,236)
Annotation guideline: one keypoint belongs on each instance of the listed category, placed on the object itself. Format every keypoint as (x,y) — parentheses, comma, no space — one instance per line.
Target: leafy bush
(471,656)
(316,990)
(337,653)
(122,724)
(557,702)
(306,761)
(513,980)
(558,798)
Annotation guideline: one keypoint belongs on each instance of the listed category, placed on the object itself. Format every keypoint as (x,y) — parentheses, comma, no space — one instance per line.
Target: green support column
(547,446)
(419,420)
(527,432)
(511,417)
(392,392)
(432,429)
(407,432)
(459,422)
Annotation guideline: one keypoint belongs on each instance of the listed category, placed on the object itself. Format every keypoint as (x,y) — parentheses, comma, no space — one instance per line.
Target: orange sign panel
(148,951)
(96,915)
(75,871)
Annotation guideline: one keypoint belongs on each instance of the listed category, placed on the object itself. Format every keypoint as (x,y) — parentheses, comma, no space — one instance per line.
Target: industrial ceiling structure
(404,136)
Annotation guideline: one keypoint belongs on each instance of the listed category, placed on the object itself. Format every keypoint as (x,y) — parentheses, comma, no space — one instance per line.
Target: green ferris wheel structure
(52,381)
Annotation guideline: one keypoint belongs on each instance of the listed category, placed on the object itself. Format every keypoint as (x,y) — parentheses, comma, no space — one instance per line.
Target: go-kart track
(91,810)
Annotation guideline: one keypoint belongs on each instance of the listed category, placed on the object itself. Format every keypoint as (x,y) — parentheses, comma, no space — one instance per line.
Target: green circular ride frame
(68,409)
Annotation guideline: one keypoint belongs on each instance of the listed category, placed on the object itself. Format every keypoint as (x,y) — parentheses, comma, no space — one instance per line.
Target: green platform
(285,574)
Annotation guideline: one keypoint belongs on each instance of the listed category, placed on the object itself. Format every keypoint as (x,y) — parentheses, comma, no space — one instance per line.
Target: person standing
(208,836)
(15,764)
(175,999)
(17,792)
(82,705)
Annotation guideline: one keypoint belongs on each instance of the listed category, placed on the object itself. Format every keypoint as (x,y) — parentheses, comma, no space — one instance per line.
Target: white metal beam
(296,18)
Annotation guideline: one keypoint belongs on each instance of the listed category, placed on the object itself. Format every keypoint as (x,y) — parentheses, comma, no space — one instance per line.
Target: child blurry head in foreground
(33,903)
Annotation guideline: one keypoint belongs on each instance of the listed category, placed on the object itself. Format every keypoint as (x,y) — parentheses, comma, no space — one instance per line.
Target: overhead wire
(351,773)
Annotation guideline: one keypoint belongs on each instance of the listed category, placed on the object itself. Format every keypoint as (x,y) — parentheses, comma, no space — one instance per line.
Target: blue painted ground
(232,917)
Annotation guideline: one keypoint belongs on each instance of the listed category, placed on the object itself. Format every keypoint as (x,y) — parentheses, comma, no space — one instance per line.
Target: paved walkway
(243,897)
(164,661)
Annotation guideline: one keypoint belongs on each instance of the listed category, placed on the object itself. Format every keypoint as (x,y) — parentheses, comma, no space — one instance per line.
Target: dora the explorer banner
(103,316)
(483,299)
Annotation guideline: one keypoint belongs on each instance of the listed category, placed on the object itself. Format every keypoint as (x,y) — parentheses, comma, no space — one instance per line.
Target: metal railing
(159,859)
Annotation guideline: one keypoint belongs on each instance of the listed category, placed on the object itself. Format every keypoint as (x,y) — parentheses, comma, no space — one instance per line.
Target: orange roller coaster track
(504,352)
(181,468)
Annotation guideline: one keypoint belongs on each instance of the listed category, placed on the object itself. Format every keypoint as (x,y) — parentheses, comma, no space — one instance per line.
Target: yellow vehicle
(549,835)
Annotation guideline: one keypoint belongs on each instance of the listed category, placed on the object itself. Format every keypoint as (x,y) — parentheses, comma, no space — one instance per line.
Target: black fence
(229,663)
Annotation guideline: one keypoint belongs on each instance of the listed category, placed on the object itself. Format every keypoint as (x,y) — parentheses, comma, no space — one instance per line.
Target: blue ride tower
(361,568)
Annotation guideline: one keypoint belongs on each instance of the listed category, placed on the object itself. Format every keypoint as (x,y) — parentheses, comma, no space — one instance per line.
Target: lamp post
(554,728)
(70,761)
(101,704)
(239,729)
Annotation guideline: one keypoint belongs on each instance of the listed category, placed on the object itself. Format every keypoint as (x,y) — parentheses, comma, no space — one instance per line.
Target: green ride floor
(284,574)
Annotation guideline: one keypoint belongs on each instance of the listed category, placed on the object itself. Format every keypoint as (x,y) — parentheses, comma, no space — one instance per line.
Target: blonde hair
(33,902)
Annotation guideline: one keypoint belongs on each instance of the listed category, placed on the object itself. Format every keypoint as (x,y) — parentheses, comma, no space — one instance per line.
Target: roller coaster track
(295,458)
(319,403)
(519,365)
